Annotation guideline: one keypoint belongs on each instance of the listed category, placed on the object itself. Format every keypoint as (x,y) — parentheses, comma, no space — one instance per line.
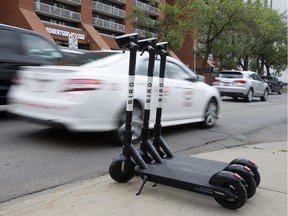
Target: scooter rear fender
(245,162)
(222,177)
(243,171)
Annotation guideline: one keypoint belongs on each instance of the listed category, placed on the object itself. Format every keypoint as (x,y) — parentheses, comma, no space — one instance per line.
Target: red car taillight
(215,82)
(82,85)
(17,79)
(240,81)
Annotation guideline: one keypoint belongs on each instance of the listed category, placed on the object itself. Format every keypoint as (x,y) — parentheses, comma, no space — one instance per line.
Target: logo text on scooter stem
(160,92)
(129,105)
(148,93)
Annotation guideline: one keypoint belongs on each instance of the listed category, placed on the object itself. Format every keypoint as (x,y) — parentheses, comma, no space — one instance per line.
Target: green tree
(213,18)
(141,20)
(256,40)
(238,33)
(171,27)
(271,49)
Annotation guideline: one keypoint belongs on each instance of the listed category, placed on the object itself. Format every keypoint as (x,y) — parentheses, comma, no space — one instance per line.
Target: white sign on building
(64,33)
(73,41)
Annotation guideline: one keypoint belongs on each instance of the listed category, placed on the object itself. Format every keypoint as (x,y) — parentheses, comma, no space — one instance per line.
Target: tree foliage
(238,33)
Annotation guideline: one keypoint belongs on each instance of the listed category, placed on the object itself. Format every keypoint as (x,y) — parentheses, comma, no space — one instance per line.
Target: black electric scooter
(225,186)
(147,150)
(122,167)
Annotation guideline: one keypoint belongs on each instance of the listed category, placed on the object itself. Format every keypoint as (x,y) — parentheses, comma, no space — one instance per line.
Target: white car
(92,97)
(243,84)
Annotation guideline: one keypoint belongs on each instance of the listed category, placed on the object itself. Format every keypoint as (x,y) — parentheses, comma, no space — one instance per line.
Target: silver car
(243,84)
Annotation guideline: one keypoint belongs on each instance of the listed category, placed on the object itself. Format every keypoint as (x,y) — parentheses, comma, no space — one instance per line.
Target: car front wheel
(136,125)
(265,95)
(249,96)
(210,114)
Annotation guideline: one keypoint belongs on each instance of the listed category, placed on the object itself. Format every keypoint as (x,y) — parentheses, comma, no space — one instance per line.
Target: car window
(174,71)
(230,75)
(256,77)
(39,47)
(275,79)
(250,76)
(82,59)
(142,68)
(8,43)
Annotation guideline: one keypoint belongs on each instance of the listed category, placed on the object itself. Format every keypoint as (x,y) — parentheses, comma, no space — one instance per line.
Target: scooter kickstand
(155,184)
(142,185)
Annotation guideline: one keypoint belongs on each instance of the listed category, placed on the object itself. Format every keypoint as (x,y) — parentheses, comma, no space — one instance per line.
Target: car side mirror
(200,78)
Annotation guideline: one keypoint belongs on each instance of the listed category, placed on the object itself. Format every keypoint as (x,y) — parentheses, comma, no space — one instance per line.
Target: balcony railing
(57,12)
(108,25)
(72,2)
(148,8)
(108,10)
(150,23)
(145,34)
(118,1)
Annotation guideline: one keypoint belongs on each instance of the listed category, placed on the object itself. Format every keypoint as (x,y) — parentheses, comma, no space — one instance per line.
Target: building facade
(94,23)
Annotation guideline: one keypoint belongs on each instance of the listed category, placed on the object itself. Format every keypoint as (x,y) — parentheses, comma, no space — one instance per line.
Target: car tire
(210,114)
(269,91)
(280,92)
(270,87)
(265,95)
(136,125)
(249,96)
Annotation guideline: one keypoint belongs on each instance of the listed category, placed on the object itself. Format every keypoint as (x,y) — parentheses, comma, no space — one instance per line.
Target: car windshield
(81,59)
(231,75)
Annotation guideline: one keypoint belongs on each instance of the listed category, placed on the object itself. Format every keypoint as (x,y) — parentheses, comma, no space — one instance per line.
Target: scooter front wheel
(238,189)
(122,170)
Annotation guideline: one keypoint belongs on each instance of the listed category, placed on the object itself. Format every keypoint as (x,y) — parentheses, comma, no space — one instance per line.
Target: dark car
(21,47)
(275,85)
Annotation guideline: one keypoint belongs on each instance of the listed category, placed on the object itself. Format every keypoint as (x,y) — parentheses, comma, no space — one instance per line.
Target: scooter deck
(189,173)
(207,166)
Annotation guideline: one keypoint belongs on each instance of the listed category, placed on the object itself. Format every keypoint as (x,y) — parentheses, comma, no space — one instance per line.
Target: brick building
(94,22)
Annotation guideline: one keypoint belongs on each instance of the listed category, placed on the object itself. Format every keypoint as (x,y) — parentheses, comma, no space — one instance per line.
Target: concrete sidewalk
(103,196)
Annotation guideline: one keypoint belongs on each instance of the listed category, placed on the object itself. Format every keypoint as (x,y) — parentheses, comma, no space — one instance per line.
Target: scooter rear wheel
(256,176)
(122,171)
(250,186)
(240,196)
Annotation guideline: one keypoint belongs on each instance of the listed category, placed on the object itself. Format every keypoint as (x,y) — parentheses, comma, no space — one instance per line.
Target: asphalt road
(34,158)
